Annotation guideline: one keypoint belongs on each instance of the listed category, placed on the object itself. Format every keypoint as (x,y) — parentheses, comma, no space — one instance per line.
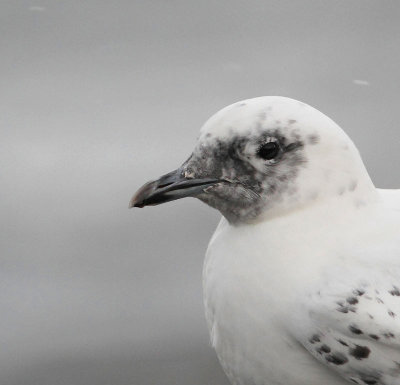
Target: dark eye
(268,150)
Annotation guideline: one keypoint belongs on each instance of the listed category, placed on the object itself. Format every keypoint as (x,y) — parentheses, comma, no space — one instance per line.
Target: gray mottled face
(262,156)
(255,169)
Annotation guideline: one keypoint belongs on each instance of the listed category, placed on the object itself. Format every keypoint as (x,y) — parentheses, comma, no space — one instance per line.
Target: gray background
(97,97)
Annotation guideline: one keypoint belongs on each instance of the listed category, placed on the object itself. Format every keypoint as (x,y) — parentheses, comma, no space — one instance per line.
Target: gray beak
(169,187)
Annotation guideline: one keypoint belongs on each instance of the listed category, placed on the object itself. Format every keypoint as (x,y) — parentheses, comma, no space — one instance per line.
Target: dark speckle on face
(353,185)
(360,352)
(295,134)
(292,121)
(262,116)
(313,139)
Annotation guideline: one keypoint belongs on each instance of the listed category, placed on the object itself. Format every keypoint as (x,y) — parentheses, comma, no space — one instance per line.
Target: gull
(301,278)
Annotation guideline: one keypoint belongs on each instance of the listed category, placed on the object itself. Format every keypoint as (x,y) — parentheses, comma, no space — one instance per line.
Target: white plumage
(279,290)
(305,290)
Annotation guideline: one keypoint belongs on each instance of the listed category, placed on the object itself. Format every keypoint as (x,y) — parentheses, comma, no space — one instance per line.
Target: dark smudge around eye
(247,189)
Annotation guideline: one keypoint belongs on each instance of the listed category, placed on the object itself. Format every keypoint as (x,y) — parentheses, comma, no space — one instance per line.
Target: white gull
(302,276)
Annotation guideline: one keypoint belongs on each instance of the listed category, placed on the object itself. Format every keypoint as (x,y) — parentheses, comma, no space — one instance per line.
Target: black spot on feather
(352,300)
(359,292)
(354,329)
(371,378)
(325,348)
(315,338)
(388,335)
(370,381)
(336,358)
(395,291)
(360,352)
(374,337)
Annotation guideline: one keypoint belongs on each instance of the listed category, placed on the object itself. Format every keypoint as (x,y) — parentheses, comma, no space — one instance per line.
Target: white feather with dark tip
(302,276)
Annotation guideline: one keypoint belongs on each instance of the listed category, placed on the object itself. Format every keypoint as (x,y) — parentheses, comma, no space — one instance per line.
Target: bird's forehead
(253,117)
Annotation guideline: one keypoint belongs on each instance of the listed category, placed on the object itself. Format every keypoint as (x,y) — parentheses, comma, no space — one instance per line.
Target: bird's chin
(235,202)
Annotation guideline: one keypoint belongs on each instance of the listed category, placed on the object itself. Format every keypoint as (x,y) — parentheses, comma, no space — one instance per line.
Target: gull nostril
(165,184)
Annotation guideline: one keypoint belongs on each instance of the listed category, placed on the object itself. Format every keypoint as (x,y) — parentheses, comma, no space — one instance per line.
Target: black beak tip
(132,205)
(139,199)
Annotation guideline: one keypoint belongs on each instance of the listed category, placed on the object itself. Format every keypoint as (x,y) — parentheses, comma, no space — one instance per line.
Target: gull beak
(169,187)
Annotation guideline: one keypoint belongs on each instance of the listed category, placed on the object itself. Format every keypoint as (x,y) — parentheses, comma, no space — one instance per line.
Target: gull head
(262,157)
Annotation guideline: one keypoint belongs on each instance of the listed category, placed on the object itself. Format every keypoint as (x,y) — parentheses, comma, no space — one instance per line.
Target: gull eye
(268,151)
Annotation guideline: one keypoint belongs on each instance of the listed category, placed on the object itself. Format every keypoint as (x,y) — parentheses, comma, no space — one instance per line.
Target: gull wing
(352,325)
